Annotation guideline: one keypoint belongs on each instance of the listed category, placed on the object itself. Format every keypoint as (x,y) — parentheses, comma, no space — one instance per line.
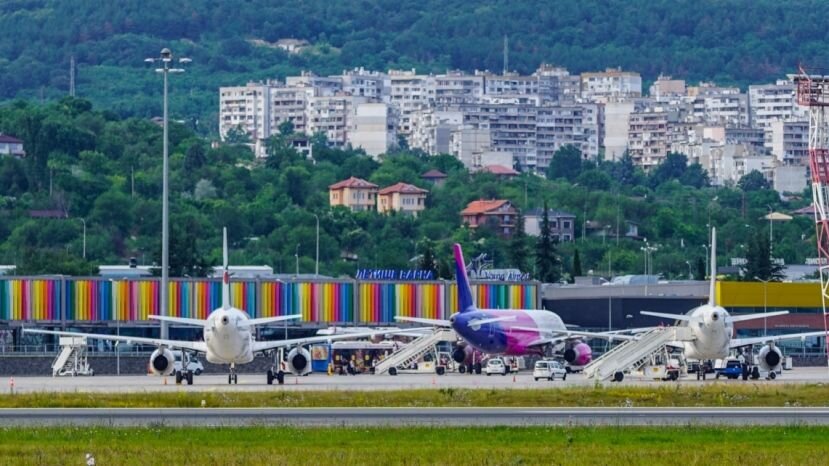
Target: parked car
(733,369)
(496,366)
(549,370)
(194,365)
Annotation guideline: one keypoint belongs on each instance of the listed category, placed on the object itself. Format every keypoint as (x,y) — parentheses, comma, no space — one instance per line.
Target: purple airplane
(511,332)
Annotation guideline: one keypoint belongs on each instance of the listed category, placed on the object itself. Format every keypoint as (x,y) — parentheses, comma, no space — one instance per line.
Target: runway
(471,417)
(256,382)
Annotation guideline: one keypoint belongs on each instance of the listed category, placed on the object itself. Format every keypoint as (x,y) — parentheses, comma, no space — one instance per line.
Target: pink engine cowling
(579,354)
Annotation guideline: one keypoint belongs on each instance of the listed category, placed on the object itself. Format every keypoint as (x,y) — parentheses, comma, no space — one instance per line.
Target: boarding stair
(72,358)
(633,354)
(414,351)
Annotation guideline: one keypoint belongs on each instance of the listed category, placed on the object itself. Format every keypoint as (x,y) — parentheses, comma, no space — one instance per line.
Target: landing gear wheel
(755,373)
(618,376)
(178,377)
(270,376)
(229,379)
(461,369)
(280,377)
(235,379)
(189,377)
(699,374)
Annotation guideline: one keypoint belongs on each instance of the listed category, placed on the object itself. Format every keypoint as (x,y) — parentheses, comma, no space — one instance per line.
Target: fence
(66,299)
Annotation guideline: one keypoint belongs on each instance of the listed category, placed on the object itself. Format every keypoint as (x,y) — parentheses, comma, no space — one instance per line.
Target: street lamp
(765,303)
(317,265)
(296,256)
(690,276)
(705,246)
(165,60)
(84,237)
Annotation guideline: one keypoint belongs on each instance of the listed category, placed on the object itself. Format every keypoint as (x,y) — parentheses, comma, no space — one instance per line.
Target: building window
(566,225)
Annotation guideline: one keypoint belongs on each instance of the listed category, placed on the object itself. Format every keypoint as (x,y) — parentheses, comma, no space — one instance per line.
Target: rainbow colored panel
(30,299)
(382,301)
(498,295)
(317,302)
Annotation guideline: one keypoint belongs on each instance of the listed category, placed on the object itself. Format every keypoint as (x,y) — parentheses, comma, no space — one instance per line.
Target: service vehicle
(549,370)
(732,369)
(496,366)
(195,366)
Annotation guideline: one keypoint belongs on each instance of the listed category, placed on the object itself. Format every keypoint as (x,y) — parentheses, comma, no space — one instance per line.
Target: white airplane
(228,339)
(713,328)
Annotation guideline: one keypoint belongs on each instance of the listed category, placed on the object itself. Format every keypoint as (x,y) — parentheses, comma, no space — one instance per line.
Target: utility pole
(165,61)
(72,76)
(506,55)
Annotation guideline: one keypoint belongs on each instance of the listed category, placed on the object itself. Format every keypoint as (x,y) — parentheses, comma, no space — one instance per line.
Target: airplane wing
(480,322)
(740,318)
(189,345)
(268,320)
(665,315)
(181,320)
(574,334)
(433,322)
(259,346)
(738,342)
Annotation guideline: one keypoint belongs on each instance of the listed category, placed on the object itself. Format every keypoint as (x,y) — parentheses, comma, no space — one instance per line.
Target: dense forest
(96,166)
(230,42)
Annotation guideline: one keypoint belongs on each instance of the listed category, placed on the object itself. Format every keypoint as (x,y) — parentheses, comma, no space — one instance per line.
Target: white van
(195,365)
(549,370)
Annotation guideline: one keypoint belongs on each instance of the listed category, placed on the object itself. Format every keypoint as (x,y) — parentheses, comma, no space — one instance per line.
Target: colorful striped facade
(331,301)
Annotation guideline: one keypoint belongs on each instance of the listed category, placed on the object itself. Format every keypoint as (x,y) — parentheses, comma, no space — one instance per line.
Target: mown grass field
(596,396)
(445,446)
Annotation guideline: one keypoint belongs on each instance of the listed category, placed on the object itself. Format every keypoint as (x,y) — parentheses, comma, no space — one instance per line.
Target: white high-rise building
(372,128)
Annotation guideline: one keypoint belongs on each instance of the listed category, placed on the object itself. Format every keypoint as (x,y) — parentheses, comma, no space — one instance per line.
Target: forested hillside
(728,41)
(92,165)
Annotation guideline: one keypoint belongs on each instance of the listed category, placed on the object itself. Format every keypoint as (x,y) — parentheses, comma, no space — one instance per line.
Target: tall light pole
(296,256)
(83,221)
(690,275)
(166,61)
(705,246)
(765,303)
(317,265)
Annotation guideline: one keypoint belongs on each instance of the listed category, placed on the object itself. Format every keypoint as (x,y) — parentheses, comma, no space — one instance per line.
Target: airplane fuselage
(502,337)
(712,331)
(228,341)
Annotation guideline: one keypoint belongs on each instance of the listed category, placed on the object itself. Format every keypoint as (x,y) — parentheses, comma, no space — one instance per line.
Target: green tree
(566,163)
(519,251)
(753,181)
(671,168)
(195,158)
(576,266)
(547,261)
(759,262)
(427,256)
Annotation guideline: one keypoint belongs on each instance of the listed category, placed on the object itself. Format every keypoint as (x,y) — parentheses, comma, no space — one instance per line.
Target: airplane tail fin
(464,291)
(225,273)
(712,301)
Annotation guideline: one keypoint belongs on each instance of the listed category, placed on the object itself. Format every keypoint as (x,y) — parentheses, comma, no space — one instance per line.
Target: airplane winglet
(225,272)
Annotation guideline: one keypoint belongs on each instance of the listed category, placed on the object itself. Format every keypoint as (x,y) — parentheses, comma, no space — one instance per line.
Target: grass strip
(713,395)
(446,446)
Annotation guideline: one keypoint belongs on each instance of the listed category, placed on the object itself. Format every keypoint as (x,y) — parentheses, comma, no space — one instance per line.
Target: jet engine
(770,358)
(462,354)
(161,362)
(299,361)
(578,354)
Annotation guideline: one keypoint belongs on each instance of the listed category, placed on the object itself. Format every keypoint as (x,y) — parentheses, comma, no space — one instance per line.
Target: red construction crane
(813,93)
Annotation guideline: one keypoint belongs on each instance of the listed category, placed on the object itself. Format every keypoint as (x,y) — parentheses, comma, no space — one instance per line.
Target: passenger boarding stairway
(415,350)
(632,354)
(72,358)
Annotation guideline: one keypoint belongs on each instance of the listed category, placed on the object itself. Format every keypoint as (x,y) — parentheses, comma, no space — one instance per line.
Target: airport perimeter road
(256,382)
(205,417)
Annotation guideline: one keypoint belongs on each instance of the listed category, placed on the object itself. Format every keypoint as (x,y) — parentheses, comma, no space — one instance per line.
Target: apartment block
(648,138)
(790,142)
(576,125)
(373,128)
(562,224)
(613,83)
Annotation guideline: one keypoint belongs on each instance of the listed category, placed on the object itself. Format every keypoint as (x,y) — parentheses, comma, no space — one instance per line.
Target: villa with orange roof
(500,214)
(402,197)
(355,193)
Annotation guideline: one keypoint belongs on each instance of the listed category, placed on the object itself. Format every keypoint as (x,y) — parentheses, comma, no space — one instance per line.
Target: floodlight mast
(813,93)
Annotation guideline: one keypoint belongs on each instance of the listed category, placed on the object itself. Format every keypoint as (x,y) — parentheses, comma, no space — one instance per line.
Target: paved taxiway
(256,382)
(206,417)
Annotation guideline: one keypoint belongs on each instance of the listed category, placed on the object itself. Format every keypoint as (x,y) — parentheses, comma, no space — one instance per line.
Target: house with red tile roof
(355,193)
(11,146)
(402,197)
(435,177)
(502,172)
(498,214)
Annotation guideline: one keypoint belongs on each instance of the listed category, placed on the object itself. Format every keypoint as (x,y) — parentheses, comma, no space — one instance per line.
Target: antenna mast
(506,55)
(72,76)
